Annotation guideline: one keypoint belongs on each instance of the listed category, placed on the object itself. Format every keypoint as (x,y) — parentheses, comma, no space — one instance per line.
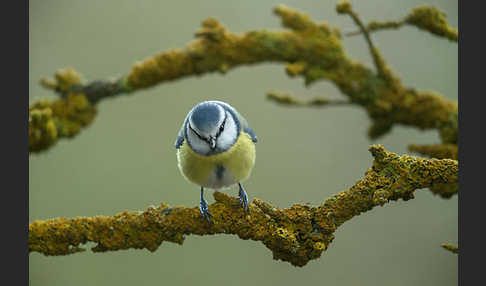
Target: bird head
(212,127)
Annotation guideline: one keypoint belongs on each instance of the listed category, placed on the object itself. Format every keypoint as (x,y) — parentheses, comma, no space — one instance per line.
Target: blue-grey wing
(180,136)
(252,134)
(246,127)
(180,139)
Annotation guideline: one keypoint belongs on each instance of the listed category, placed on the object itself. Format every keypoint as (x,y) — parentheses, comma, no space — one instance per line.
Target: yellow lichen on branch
(423,109)
(310,50)
(313,51)
(432,20)
(451,247)
(49,121)
(64,117)
(375,25)
(75,109)
(287,99)
(63,80)
(439,151)
(424,17)
(297,234)
(397,104)
(218,50)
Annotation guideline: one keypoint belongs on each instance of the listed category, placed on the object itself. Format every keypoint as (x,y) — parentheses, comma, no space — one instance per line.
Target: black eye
(221,128)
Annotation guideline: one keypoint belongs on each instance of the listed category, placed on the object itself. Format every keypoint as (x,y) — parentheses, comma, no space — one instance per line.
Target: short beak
(212,142)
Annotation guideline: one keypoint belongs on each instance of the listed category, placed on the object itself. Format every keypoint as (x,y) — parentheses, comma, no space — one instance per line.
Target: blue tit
(216,149)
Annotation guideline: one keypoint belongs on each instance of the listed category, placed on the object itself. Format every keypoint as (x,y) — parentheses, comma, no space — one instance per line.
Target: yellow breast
(219,170)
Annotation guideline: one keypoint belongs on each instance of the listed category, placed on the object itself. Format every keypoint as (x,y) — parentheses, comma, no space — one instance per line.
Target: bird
(215,150)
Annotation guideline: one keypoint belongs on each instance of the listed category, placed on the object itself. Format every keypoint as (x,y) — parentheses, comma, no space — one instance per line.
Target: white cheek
(197,144)
(228,137)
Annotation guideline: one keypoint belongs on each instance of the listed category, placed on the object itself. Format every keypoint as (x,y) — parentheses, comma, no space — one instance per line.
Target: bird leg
(203,207)
(243,198)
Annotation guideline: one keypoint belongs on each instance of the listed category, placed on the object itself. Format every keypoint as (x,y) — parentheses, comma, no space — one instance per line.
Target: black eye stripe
(200,137)
(221,128)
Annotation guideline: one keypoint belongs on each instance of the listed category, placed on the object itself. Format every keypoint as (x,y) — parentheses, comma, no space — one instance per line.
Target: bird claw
(243,198)
(204,209)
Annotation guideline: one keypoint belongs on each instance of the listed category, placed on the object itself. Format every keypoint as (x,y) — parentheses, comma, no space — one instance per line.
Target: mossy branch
(50,121)
(76,108)
(310,50)
(374,26)
(297,234)
(424,17)
(433,20)
(439,151)
(451,247)
(287,99)
(344,7)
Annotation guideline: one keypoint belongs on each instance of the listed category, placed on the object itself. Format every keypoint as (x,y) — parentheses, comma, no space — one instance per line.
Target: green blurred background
(126,160)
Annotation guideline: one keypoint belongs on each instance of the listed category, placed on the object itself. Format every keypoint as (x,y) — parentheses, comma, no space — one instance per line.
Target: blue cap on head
(206,116)
(209,121)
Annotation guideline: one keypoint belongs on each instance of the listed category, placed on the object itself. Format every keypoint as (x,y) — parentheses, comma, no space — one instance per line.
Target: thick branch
(297,234)
(439,151)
